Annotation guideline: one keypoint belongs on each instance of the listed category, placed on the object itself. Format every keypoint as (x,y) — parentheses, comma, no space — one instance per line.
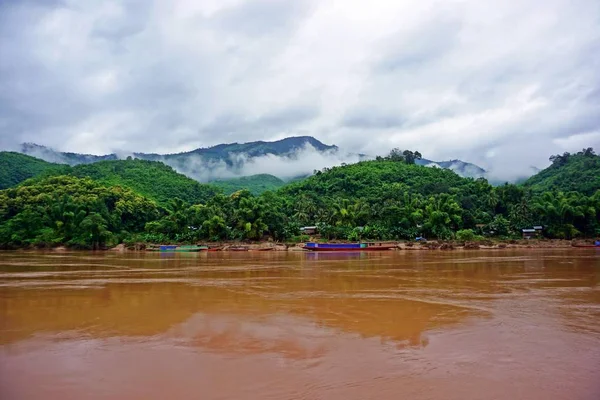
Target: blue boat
(178,249)
(347,246)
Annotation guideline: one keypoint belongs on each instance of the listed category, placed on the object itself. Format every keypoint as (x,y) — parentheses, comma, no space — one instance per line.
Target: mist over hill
(285,159)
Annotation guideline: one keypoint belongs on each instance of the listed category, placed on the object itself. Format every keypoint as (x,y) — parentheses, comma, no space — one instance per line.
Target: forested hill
(256,184)
(71,211)
(375,179)
(109,202)
(152,179)
(237,159)
(578,172)
(211,163)
(16,167)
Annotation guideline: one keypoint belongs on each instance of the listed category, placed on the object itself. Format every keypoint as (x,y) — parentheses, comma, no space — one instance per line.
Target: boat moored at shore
(369,246)
(178,249)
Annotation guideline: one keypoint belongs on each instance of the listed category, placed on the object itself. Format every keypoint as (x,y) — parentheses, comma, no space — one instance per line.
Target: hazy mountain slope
(577,172)
(286,158)
(152,179)
(16,167)
(284,147)
(290,157)
(462,168)
(53,156)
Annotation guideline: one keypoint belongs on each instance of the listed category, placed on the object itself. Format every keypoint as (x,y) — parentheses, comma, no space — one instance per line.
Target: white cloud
(457,79)
(302,162)
(578,141)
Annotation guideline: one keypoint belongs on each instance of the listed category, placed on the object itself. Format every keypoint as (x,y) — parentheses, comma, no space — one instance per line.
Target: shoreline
(399,246)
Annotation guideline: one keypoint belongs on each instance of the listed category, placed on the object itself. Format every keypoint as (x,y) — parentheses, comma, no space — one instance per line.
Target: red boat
(348,246)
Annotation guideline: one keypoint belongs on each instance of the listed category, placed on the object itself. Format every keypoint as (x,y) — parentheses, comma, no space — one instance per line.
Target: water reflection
(477,313)
(140,297)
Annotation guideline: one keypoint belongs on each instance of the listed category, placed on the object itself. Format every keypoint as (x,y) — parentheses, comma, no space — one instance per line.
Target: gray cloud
(503,85)
(415,47)
(258,18)
(366,119)
(270,123)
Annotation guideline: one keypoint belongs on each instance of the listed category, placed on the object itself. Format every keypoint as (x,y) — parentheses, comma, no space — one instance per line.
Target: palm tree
(492,200)
(442,215)
(342,213)
(559,212)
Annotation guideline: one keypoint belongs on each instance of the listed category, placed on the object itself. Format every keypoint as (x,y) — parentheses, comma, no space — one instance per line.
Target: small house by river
(532,233)
(309,230)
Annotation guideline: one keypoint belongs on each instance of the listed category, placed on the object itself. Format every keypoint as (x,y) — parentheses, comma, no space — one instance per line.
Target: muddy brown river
(504,324)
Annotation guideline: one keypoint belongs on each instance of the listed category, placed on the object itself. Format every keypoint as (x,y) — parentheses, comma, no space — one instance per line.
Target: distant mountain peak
(462,168)
(228,160)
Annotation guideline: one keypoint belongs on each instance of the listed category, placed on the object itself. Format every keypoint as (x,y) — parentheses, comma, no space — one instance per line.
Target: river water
(504,324)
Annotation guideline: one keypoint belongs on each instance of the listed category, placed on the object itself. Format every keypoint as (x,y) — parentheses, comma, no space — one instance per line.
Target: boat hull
(178,249)
(349,249)
(237,249)
(183,251)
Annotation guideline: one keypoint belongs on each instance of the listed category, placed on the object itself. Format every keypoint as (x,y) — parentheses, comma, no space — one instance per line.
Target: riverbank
(441,245)
(399,245)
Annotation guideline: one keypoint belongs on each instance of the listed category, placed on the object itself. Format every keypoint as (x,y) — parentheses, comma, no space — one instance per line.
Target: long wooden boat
(347,246)
(263,249)
(597,246)
(178,249)
(237,248)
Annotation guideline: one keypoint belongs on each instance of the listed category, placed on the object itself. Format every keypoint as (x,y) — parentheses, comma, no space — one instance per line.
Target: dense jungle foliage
(385,199)
(256,184)
(578,172)
(151,179)
(72,211)
(16,167)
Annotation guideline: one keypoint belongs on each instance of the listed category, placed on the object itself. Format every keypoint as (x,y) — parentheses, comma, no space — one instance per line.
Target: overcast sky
(500,83)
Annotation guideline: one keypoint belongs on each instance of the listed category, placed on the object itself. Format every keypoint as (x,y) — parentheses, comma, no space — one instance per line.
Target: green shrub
(299,238)
(465,235)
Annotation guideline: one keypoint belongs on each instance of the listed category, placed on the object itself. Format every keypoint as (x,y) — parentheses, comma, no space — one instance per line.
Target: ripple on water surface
(422,325)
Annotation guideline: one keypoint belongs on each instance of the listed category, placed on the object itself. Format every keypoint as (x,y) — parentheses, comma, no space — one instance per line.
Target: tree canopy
(152,179)
(578,172)
(97,205)
(72,211)
(256,184)
(16,167)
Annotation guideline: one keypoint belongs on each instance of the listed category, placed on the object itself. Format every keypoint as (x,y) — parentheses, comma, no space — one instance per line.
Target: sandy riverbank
(401,245)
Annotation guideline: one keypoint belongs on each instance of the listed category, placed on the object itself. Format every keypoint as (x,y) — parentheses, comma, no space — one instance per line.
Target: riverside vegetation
(137,201)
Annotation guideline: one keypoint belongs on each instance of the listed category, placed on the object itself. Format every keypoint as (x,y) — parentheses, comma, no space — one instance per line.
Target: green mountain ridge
(578,172)
(17,167)
(283,147)
(152,179)
(138,201)
(366,177)
(202,164)
(212,163)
